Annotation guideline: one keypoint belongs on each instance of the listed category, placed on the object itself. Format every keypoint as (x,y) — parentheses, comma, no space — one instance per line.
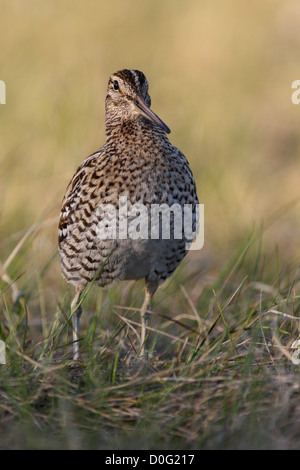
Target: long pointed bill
(149,114)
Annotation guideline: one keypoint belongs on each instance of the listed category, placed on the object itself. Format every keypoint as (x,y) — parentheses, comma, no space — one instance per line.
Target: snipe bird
(138,163)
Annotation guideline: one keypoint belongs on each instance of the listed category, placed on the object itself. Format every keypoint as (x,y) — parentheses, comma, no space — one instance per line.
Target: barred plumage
(137,162)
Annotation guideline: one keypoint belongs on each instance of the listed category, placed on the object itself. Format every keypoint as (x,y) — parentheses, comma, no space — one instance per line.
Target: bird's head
(127,99)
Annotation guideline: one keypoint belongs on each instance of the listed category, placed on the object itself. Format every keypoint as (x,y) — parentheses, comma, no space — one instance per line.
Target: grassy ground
(221,372)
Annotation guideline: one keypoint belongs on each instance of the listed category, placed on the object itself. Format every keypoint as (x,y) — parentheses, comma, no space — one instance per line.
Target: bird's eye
(116,85)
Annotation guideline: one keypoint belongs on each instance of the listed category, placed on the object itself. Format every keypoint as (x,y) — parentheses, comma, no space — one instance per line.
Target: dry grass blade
(30,231)
(5,277)
(151,329)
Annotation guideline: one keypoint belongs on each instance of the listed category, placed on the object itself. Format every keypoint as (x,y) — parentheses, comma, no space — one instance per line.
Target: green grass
(220,373)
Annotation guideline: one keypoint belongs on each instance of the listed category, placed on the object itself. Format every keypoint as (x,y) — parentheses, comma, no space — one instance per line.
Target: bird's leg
(149,292)
(76,313)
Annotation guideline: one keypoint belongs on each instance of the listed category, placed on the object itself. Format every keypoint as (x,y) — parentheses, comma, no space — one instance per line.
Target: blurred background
(220,76)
